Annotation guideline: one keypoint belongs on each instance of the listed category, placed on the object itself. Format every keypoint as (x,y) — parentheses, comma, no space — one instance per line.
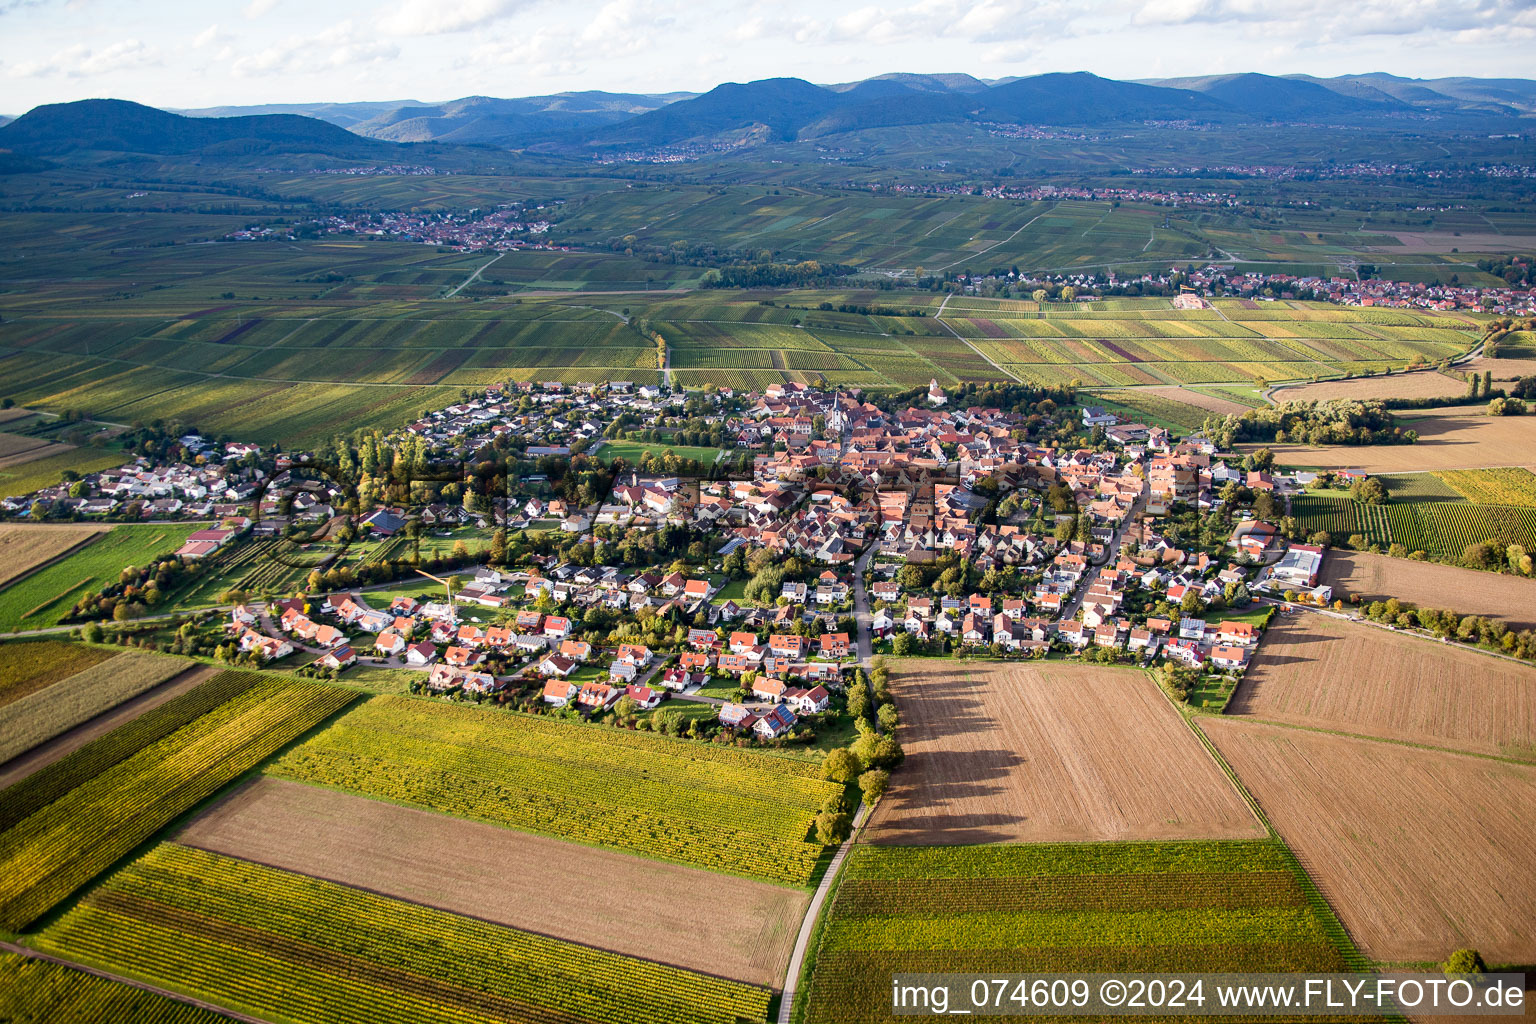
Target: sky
(199,53)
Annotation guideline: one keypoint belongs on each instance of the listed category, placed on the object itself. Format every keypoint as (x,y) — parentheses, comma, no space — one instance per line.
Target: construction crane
(447,589)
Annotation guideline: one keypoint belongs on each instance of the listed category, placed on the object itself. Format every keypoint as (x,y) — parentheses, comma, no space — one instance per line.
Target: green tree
(1465,961)
(840,765)
(873,783)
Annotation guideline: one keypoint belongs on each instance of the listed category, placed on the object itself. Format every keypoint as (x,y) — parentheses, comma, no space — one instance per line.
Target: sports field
(1032,753)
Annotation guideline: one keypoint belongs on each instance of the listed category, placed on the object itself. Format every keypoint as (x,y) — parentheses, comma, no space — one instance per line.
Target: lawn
(631,451)
(44,598)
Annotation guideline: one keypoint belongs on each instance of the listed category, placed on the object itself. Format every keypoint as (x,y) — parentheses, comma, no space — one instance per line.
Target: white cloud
(208,35)
(438,17)
(81,61)
(338,46)
(256,8)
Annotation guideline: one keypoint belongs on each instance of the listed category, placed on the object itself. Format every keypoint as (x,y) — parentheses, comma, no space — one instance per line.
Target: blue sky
(182,53)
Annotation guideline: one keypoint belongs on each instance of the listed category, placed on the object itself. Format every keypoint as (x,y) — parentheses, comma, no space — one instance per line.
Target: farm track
(939,316)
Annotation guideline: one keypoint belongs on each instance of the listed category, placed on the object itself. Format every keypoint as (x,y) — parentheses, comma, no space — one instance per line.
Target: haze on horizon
(182,54)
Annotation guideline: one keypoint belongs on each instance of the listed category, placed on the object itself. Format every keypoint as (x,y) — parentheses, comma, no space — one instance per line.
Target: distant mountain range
(771,110)
(118,126)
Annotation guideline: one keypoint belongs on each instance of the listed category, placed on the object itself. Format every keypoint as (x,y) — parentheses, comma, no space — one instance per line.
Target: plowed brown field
(1045,753)
(729,927)
(1419,851)
(1428,384)
(1448,439)
(1323,672)
(1511,599)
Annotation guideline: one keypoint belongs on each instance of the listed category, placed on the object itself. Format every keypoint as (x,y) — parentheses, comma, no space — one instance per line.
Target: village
(825,531)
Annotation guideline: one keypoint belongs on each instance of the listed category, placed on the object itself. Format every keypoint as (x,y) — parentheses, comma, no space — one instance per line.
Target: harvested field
(24,548)
(1198,399)
(1511,599)
(32,454)
(1420,852)
(1448,439)
(1502,369)
(1323,672)
(530,882)
(1027,753)
(1428,384)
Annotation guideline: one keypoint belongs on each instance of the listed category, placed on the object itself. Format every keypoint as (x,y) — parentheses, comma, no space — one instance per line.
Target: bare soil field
(1503,369)
(1048,753)
(1421,852)
(44,754)
(1318,671)
(1448,439)
(687,917)
(24,548)
(1399,385)
(1511,599)
(1200,400)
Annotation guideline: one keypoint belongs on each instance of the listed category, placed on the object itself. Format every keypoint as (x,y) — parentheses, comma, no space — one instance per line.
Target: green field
(693,803)
(276,364)
(45,597)
(288,947)
(631,451)
(62,845)
(45,472)
(1135,907)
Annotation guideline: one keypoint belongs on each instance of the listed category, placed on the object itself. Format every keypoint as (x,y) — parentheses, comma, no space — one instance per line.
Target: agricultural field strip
(272,941)
(39,717)
(1220,905)
(663,798)
(49,783)
(459,866)
(61,846)
(36,989)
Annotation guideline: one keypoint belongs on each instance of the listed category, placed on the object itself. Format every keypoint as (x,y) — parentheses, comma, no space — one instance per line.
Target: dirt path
(615,901)
(475,276)
(939,316)
(44,754)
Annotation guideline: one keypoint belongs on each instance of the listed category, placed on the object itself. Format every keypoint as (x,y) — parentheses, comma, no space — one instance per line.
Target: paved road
(1069,612)
(861,613)
(803,940)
